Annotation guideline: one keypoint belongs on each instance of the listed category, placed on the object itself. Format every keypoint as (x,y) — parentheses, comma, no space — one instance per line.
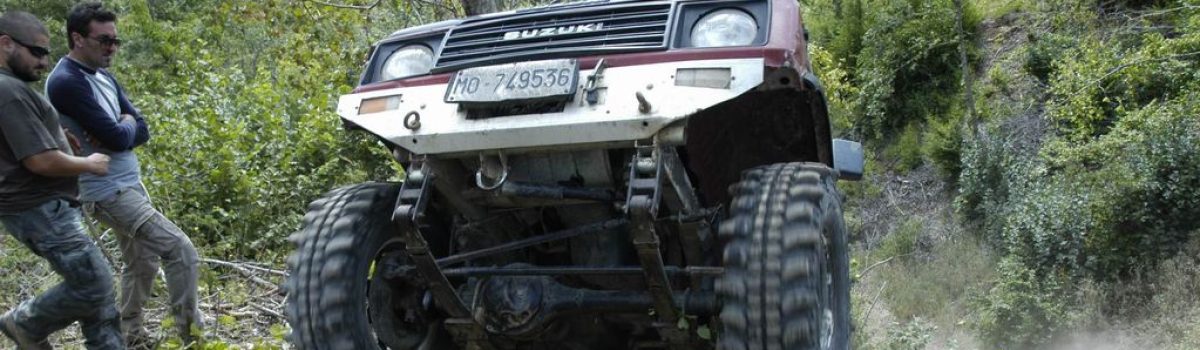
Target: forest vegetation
(1034,165)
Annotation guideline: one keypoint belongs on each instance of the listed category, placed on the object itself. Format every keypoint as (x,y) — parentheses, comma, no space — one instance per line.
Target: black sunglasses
(107,40)
(36,51)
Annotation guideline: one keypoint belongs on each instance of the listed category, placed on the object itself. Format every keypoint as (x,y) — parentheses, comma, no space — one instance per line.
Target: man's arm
(55,163)
(39,148)
(143,130)
(72,96)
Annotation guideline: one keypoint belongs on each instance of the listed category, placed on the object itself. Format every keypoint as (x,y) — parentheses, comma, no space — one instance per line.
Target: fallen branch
(267,310)
(868,269)
(252,266)
(867,316)
(888,193)
(243,270)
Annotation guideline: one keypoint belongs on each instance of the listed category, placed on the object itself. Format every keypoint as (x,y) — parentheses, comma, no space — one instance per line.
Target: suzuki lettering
(553,31)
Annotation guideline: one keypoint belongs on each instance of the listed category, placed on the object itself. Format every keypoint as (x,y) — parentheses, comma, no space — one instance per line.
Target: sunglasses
(107,40)
(36,51)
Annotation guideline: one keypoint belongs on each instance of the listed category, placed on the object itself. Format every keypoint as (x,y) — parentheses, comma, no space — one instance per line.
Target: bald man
(38,200)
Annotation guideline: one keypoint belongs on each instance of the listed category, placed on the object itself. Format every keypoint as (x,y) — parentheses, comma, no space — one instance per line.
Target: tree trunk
(968,121)
(479,7)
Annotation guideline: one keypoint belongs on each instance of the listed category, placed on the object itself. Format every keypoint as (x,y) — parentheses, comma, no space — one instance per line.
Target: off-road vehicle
(595,175)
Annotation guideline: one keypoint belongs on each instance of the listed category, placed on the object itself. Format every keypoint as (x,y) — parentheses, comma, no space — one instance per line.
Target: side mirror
(848,159)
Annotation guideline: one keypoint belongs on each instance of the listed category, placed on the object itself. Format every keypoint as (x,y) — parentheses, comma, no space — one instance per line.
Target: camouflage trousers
(148,241)
(54,232)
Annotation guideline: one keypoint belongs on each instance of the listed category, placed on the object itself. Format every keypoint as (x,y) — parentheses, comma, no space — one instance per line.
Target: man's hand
(98,163)
(73,141)
(128,117)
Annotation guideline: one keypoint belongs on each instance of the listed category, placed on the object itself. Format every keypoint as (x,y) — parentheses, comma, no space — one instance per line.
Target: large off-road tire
(786,284)
(335,299)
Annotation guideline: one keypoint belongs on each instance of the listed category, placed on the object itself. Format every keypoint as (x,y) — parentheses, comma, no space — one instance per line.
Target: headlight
(726,27)
(408,61)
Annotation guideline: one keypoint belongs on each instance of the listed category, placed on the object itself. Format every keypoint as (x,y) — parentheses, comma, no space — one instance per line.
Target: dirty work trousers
(147,238)
(53,231)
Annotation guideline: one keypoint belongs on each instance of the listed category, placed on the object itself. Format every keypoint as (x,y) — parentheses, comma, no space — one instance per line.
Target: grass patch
(993,9)
(937,288)
(901,242)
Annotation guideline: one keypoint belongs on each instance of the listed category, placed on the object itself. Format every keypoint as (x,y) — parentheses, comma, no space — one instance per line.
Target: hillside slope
(1062,213)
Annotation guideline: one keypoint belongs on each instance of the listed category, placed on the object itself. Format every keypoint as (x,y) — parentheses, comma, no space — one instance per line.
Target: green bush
(909,66)
(252,138)
(902,57)
(915,334)
(996,164)
(902,241)
(1106,79)
(1043,50)
(906,150)
(1111,194)
(942,145)
(839,90)
(1022,310)
(1098,209)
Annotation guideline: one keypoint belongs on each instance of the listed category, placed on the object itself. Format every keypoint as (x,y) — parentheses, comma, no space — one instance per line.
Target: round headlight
(408,61)
(725,27)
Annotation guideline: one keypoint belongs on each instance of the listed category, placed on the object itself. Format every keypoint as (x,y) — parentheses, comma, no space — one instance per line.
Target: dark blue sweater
(74,96)
(78,93)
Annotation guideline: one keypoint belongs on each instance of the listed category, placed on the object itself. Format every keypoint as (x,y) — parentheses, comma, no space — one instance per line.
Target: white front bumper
(444,128)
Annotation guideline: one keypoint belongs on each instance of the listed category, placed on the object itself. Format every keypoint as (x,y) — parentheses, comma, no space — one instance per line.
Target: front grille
(569,32)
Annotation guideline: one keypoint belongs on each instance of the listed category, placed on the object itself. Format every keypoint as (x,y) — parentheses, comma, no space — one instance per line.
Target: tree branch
(884,261)
(867,315)
(267,310)
(1134,63)
(244,271)
(345,6)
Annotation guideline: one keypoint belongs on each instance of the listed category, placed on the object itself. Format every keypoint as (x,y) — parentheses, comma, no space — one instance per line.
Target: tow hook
(643,104)
(491,167)
(593,82)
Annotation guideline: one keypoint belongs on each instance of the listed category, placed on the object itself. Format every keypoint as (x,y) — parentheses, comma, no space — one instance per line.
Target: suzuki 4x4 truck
(595,175)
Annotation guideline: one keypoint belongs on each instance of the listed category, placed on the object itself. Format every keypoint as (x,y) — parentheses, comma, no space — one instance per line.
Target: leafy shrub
(1043,51)
(906,150)
(902,57)
(991,9)
(902,241)
(1147,175)
(1106,81)
(839,90)
(942,145)
(252,138)
(996,163)
(1108,199)
(908,67)
(912,335)
(1021,311)
(1098,209)
(838,26)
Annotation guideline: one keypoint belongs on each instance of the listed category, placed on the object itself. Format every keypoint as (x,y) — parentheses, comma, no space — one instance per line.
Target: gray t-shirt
(28,126)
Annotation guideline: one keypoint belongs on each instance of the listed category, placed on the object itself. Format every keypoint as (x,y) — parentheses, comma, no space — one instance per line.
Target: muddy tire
(334,301)
(786,284)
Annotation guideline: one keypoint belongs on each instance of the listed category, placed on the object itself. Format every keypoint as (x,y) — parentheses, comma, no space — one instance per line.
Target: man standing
(38,185)
(95,108)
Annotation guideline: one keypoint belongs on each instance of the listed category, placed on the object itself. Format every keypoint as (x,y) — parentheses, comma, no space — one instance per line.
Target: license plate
(539,80)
